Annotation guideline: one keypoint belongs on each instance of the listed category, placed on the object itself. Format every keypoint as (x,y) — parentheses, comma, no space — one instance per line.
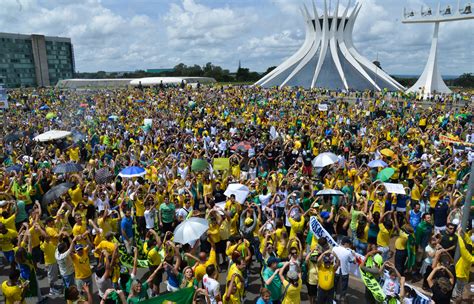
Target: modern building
(35,60)
(328,58)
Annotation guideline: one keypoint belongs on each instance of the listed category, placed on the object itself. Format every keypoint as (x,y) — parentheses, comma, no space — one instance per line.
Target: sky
(127,35)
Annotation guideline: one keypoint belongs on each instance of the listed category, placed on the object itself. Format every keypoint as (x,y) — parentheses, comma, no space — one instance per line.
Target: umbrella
(199,165)
(103,176)
(44,108)
(325,159)
(329,192)
(190,230)
(385,174)
(50,115)
(240,191)
(52,135)
(12,137)
(78,136)
(387,152)
(132,172)
(56,192)
(113,117)
(67,168)
(242,146)
(140,100)
(83,105)
(377,163)
(17,168)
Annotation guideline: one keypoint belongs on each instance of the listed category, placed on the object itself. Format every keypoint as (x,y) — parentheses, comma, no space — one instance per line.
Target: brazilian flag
(182,296)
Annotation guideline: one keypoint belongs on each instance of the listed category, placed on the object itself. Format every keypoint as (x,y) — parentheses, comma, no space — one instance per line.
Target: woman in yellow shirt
(292,286)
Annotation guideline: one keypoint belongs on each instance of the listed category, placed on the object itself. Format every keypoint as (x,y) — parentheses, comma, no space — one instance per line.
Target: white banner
(394,188)
(3,98)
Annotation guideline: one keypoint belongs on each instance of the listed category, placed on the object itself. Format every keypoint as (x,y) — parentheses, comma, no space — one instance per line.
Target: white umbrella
(190,230)
(52,135)
(240,191)
(325,159)
(329,192)
(376,163)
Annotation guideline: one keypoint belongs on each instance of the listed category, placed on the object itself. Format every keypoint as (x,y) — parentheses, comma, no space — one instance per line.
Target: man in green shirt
(272,279)
(167,215)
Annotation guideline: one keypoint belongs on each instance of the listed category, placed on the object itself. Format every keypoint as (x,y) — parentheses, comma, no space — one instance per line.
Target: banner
(322,107)
(221,164)
(455,141)
(394,188)
(182,296)
(373,285)
(319,232)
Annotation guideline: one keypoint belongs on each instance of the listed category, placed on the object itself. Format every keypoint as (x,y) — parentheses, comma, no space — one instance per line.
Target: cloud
(121,35)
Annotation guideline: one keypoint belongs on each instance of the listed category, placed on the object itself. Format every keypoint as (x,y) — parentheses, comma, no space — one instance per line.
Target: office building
(35,60)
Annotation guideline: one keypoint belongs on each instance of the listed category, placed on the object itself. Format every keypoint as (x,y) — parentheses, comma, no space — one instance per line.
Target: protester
(139,165)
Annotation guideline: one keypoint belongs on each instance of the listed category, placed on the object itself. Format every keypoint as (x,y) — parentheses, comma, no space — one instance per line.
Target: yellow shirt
(401,241)
(463,266)
(76,195)
(296,227)
(383,237)
(139,207)
(239,284)
(12,294)
(53,233)
(35,240)
(82,266)
(9,222)
(200,269)
(79,230)
(416,193)
(326,277)
(107,246)
(6,240)
(48,249)
(293,294)
(153,255)
(213,233)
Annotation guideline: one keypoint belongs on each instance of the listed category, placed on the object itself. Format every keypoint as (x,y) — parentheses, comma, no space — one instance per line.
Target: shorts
(312,290)
(81,282)
(38,255)
(439,229)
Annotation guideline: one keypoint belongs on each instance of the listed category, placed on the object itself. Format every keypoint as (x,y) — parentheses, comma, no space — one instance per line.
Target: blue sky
(119,35)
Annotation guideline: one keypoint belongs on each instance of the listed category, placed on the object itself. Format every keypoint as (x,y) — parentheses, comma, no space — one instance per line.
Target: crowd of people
(91,228)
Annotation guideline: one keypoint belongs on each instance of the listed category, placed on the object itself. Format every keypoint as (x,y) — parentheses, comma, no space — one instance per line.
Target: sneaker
(54,292)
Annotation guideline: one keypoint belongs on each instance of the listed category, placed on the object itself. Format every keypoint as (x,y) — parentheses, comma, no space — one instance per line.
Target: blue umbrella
(140,100)
(377,163)
(132,172)
(44,107)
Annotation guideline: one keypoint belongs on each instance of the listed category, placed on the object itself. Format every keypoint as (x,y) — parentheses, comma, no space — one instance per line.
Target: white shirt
(150,218)
(212,287)
(391,287)
(183,212)
(264,199)
(345,257)
(66,267)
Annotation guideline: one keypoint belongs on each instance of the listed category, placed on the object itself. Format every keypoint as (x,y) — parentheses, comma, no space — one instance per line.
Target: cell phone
(27,282)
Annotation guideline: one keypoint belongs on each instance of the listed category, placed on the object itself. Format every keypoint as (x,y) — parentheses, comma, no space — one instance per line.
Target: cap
(378,259)
(272,260)
(327,259)
(79,247)
(292,275)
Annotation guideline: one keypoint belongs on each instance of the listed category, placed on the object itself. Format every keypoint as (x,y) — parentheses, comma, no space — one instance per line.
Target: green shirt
(275,285)
(167,212)
(21,215)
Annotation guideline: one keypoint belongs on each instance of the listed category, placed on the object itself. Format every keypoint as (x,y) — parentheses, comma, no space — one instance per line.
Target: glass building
(34,60)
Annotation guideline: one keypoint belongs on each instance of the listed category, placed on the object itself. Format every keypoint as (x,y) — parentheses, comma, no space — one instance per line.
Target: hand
(85,288)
